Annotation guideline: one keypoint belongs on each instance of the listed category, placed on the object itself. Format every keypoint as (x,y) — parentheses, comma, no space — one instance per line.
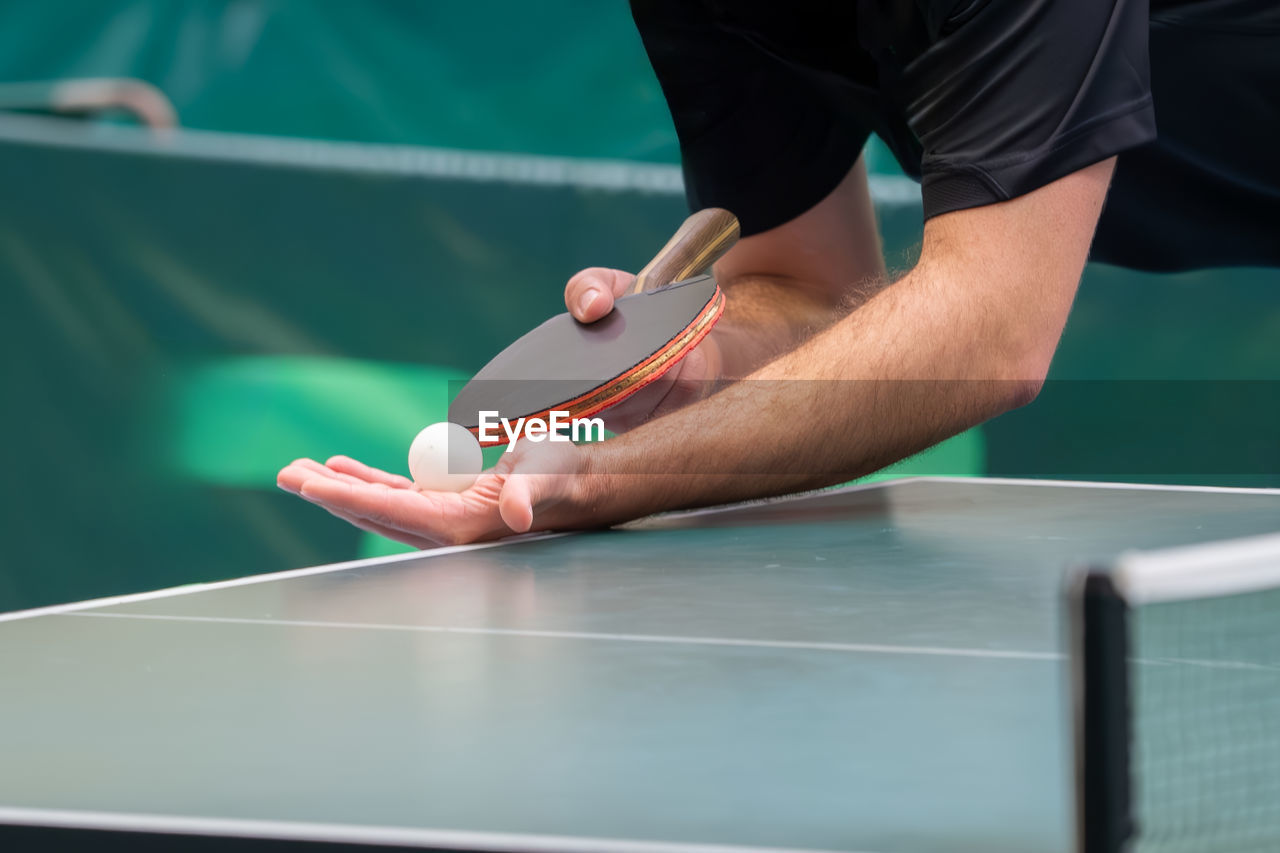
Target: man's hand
(500,502)
(780,288)
(589,296)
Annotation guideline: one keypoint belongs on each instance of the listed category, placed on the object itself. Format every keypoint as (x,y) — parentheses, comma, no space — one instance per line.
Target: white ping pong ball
(445,457)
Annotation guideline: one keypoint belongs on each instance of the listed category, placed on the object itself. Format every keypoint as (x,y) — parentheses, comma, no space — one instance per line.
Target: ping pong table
(877,668)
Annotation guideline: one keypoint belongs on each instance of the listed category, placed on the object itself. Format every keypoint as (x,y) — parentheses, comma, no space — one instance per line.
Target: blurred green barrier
(233,422)
(963,455)
(1160,379)
(131,265)
(565,77)
(561,77)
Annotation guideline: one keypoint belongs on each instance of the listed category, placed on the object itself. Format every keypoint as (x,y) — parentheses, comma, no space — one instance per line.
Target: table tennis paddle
(583,368)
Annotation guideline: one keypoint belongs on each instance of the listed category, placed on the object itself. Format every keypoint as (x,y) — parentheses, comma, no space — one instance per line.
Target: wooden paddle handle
(696,245)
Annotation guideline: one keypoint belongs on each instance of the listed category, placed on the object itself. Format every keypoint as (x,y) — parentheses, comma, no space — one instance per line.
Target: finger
(300,471)
(327,471)
(692,379)
(406,510)
(409,537)
(548,473)
(589,295)
(690,383)
(640,407)
(292,476)
(392,533)
(515,504)
(347,465)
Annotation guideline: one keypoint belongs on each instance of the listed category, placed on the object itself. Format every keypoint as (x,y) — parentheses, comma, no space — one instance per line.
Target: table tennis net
(1178,701)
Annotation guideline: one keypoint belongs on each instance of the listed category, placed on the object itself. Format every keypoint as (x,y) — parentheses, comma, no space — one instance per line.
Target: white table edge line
(249,580)
(357,833)
(1092,484)
(741,642)
(968,480)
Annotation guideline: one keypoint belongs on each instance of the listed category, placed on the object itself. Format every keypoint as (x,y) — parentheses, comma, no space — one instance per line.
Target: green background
(303,269)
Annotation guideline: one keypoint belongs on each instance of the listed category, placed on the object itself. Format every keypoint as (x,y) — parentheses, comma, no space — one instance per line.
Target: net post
(1098,618)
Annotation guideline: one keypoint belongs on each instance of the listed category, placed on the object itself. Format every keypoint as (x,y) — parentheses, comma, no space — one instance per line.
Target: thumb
(540,475)
(589,295)
(515,504)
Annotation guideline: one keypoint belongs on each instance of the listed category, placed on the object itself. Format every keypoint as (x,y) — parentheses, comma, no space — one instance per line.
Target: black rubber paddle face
(582,368)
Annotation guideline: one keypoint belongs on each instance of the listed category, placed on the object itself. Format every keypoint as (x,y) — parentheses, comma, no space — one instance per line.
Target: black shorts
(985,100)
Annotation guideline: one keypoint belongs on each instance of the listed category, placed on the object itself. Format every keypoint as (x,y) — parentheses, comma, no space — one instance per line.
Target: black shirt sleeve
(1014,94)
(983,100)
(759,136)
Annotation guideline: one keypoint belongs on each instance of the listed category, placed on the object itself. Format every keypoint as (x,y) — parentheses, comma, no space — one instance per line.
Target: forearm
(856,397)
